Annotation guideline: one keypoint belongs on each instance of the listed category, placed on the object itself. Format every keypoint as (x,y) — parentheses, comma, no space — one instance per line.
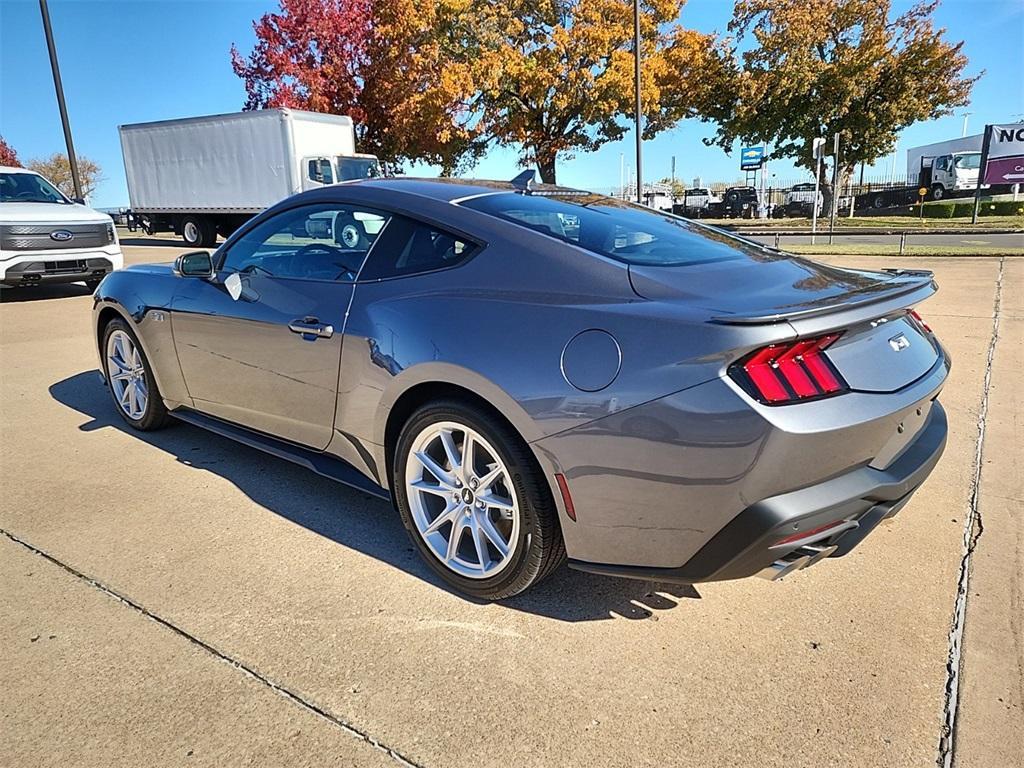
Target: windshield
(350,168)
(612,228)
(970,162)
(28,188)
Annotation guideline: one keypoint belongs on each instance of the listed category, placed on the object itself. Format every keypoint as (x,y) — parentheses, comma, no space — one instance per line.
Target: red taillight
(786,373)
(920,320)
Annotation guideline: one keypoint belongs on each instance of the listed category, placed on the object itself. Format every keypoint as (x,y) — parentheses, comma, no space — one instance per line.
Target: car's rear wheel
(130,378)
(474,501)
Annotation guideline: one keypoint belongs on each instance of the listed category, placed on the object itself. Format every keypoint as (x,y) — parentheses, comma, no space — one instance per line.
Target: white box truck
(946,168)
(204,176)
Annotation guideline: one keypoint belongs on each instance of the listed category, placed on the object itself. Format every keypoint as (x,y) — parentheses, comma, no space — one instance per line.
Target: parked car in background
(45,237)
(698,199)
(206,176)
(736,203)
(483,354)
(799,200)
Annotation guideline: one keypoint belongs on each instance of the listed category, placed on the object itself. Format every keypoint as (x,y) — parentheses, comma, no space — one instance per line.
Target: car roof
(15,169)
(446,189)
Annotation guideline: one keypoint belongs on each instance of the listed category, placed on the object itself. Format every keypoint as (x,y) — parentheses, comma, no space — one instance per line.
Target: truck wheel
(198,232)
(878,201)
(938,192)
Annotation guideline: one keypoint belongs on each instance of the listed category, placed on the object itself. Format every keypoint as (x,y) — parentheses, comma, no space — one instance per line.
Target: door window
(320,171)
(408,247)
(314,242)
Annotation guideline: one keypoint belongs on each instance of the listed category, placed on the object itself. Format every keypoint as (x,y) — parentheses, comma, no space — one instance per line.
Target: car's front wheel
(130,378)
(474,502)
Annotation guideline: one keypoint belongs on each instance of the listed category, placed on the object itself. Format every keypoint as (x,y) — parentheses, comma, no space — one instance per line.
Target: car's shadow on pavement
(41,292)
(356,520)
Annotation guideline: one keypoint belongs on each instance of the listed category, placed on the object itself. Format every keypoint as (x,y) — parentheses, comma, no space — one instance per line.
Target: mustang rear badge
(899,342)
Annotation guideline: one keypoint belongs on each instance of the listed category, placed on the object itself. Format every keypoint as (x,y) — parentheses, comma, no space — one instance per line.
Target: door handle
(310,326)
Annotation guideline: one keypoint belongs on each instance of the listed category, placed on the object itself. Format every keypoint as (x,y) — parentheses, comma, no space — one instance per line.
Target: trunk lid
(880,349)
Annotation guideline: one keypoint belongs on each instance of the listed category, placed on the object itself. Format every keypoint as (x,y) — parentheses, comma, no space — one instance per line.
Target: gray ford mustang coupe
(532,373)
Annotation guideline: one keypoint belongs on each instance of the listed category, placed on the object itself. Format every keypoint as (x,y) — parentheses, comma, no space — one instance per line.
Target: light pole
(964,131)
(72,158)
(636,92)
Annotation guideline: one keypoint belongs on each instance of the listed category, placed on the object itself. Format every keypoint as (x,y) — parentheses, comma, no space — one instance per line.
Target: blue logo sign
(751,158)
(61,235)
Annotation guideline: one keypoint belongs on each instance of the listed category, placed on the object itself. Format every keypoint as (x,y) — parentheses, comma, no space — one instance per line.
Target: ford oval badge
(61,235)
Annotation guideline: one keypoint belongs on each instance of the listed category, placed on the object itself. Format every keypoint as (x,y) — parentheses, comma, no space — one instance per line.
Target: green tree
(797,69)
(555,77)
(57,169)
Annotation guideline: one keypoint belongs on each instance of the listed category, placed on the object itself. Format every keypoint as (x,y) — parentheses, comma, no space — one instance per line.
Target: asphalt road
(172,598)
(1015,240)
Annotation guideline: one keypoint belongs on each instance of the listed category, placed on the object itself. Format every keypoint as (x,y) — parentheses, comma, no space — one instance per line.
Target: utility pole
(981,173)
(72,158)
(835,188)
(636,92)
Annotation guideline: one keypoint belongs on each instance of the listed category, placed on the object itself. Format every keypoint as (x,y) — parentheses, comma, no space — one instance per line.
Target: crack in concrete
(973,528)
(278,688)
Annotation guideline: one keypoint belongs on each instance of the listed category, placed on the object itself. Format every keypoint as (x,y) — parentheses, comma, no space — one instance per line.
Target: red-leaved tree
(385,63)
(7,154)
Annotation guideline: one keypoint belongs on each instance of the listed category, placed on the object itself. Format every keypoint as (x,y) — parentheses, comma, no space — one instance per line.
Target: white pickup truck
(47,238)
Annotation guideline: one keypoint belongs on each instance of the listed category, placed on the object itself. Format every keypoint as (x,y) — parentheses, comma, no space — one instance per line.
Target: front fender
(142,300)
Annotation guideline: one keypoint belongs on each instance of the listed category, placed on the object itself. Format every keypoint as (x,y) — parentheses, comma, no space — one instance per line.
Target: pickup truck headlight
(110,233)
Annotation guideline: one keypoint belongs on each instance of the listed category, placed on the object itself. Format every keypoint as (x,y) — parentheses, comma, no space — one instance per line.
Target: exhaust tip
(787,565)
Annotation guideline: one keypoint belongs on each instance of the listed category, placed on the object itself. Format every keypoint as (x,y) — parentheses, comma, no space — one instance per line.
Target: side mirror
(194,264)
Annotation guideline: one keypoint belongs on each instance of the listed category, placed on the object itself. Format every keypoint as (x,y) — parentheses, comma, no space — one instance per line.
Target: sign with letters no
(1004,161)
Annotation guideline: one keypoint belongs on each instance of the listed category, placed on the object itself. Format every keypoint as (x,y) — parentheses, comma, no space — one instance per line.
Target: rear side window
(612,228)
(408,247)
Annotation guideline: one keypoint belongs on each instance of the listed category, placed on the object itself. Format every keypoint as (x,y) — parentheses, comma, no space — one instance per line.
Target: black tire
(539,547)
(93,284)
(878,201)
(155,415)
(198,232)
(938,192)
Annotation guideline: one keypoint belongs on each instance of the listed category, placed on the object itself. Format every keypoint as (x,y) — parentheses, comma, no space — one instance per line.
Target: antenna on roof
(525,180)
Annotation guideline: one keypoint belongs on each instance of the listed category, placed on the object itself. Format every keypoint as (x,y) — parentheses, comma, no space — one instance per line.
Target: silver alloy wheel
(127,375)
(192,234)
(462,500)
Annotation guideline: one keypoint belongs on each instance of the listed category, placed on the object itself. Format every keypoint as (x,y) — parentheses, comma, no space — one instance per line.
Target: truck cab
(321,171)
(954,172)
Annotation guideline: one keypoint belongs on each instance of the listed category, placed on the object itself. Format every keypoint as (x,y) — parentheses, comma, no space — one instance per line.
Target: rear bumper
(856,501)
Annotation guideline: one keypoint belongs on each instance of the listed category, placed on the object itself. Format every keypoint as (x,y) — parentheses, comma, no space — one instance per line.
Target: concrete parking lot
(174,598)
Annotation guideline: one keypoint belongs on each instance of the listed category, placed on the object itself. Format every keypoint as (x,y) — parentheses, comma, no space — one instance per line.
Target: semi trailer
(200,177)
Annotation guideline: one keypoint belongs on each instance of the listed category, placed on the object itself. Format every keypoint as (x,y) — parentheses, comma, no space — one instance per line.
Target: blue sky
(127,62)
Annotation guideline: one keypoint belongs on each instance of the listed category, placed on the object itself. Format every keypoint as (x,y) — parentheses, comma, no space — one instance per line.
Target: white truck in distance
(203,176)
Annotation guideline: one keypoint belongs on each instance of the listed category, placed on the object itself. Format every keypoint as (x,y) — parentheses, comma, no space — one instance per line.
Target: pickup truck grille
(38,237)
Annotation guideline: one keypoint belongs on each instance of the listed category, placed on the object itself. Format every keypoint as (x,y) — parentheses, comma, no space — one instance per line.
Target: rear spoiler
(907,293)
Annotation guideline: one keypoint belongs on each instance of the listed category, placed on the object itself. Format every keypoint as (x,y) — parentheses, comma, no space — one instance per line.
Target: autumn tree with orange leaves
(820,67)
(556,77)
(389,64)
